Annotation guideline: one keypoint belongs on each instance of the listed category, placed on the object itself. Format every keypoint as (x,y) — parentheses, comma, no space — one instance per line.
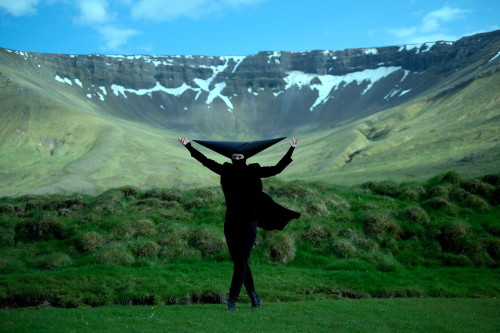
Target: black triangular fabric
(248,149)
(273,216)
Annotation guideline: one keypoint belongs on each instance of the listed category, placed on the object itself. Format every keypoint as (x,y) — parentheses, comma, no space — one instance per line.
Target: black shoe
(231,305)
(255,299)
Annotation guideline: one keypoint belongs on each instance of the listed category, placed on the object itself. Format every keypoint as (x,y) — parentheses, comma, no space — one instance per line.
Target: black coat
(242,187)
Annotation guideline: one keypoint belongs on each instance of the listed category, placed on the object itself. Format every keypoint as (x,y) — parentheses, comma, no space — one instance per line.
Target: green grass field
(368,315)
(382,255)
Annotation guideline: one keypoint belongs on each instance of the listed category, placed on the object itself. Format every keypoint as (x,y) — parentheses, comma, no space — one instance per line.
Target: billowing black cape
(242,187)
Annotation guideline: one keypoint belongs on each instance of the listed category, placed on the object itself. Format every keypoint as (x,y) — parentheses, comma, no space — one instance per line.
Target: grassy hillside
(127,246)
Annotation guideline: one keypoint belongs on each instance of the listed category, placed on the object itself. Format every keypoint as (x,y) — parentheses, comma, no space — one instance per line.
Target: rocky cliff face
(267,94)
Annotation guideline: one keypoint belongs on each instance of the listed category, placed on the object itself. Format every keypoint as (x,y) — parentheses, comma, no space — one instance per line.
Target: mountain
(85,123)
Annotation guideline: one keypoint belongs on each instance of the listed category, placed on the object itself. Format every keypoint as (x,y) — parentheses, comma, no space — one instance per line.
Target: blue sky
(235,27)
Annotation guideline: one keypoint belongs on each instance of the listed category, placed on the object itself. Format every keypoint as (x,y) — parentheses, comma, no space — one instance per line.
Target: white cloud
(160,10)
(432,27)
(433,20)
(19,7)
(94,12)
(115,36)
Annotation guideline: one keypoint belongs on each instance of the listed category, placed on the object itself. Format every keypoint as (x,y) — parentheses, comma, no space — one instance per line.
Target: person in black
(246,208)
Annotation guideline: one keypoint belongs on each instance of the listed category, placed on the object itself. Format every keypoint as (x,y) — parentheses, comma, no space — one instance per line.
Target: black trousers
(240,238)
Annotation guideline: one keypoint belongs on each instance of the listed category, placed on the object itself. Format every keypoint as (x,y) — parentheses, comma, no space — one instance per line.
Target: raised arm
(282,164)
(211,164)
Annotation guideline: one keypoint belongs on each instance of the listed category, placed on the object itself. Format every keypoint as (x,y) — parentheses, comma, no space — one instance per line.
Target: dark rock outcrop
(267,94)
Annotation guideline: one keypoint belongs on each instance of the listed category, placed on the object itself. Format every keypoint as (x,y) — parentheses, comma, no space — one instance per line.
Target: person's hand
(184,141)
(294,142)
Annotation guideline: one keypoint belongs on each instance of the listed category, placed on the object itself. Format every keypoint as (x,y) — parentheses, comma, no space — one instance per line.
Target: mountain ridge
(60,108)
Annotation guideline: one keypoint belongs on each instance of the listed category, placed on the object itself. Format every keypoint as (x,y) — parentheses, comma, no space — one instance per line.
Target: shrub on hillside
(282,248)
(42,227)
(54,203)
(492,179)
(477,203)
(174,236)
(475,186)
(175,245)
(416,215)
(135,229)
(377,225)
(383,262)
(206,241)
(441,204)
(179,251)
(413,193)
(459,238)
(209,195)
(115,254)
(388,188)
(453,177)
(51,261)
(292,191)
(337,204)
(317,233)
(130,192)
(91,241)
(11,209)
(456,237)
(440,191)
(196,202)
(458,194)
(342,248)
(106,209)
(171,195)
(146,249)
(357,238)
(317,207)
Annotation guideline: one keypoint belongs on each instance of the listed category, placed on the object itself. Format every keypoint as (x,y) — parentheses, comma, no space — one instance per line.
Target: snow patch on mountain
(328,82)
(63,80)
(496,56)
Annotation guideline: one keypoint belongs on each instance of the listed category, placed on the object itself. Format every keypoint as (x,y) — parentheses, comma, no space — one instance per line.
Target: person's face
(237,157)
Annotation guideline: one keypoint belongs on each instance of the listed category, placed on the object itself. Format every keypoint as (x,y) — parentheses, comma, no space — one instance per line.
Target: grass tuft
(51,261)
(135,229)
(343,248)
(476,186)
(412,193)
(388,189)
(282,248)
(455,237)
(453,177)
(417,215)
(317,233)
(116,254)
(170,195)
(477,203)
(91,241)
(377,225)
(206,241)
(317,207)
(45,226)
(146,249)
